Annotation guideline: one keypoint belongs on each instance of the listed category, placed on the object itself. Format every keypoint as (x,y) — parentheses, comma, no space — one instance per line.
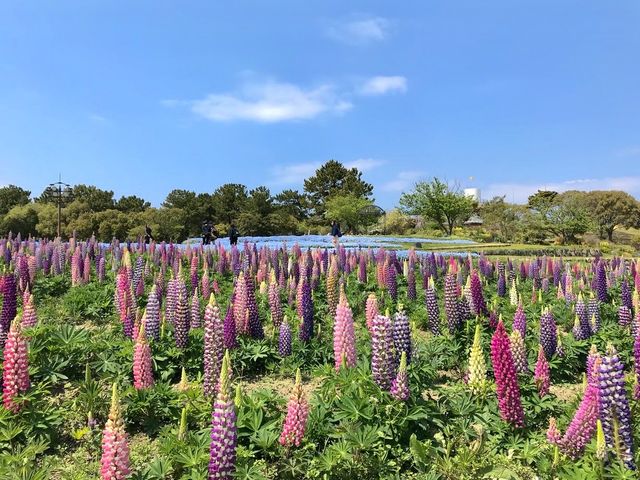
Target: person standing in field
(335,232)
(233,235)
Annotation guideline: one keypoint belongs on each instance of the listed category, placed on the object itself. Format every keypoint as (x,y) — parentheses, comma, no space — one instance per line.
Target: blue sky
(142,97)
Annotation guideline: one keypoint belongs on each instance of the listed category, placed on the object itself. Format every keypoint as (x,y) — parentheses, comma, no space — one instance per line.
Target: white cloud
(519,192)
(296,173)
(403,181)
(360,31)
(269,102)
(381,85)
(97,118)
(633,151)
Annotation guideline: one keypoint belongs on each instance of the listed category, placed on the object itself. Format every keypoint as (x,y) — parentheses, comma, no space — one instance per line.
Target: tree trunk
(610,233)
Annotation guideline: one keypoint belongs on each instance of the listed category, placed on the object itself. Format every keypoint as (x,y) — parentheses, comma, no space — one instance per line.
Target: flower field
(287,362)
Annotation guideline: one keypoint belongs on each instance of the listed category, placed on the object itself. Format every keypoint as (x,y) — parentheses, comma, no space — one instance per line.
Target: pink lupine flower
(15,367)
(297,413)
(115,450)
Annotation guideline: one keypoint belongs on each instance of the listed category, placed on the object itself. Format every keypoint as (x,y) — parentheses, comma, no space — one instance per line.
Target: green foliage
(347,210)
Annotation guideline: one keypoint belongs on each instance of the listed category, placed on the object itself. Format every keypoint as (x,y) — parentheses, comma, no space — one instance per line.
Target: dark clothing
(335,230)
(147,235)
(233,236)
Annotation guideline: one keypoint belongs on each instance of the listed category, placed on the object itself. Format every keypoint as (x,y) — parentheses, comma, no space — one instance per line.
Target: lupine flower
(433,311)
(240,304)
(513,293)
(402,335)
(615,413)
(519,352)
(411,283)
(601,283)
(548,333)
(152,315)
(593,310)
(451,302)
(477,367)
(344,340)
(390,280)
(371,309)
(520,320)
(504,370)
(400,385)
(205,284)
(253,322)
(274,302)
(195,310)
(478,306)
(9,308)
(553,433)
(115,449)
(15,374)
(541,374)
(142,362)
(583,317)
(601,442)
(306,327)
(297,414)
(577,330)
(230,340)
(224,431)
(29,316)
(382,351)
(332,286)
(213,346)
(591,360)
(636,367)
(181,325)
(624,316)
(284,338)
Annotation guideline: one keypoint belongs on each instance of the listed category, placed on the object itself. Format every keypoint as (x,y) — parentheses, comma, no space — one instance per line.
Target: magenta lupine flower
(29,316)
(478,306)
(401,335)
(152,315)
(371,309)
(541,373)
(297,414)
(382,351)
(583,424)
(451,306)
(344,338)
(274,302)
(213,346)
(400,385)
(240,304)
(615,412)
(181,324)
(433,310)
(548,333)
(504,371)
(195,310)
(15,374)
(553,433)
(115,449)
(284,338)
(224,431)
(230,340)
(142,362)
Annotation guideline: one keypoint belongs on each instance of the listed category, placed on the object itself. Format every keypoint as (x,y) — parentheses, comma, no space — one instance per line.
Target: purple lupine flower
(583,317)
(390,279)
(520,320)
(624,316)
(152,323)
(254,324)
(615,412)
(433,311)
(411,283)
(578,332)
(274,302)
(504,371)
(230,340)
(224,431)
(502,281)
(306,327)
(400,385)
(284,338)
(402,335)
(382,351)
(213,346)
(478,306)
(625,294)
(9,303)
(593,310)
(601,282)
(196,321)
(636,367)
(548,333)
(181,324)
(451,302)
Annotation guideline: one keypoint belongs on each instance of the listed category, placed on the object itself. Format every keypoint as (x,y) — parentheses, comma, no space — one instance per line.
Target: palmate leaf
(159,469)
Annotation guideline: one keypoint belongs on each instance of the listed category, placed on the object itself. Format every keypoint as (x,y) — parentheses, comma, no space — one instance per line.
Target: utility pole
(61,194)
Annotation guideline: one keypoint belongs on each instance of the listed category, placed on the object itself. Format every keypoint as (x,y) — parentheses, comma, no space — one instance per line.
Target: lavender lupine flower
(541,374)
(213,346)
(601,282)
(520,320)
(578,332)
(205,284)
(433,310)
(519,352)
(274,301)
(615,413)
(284,338)
(593,310)
(478,306)
(411,283)
(142,362)
(181,325)
(152,315)
(390,280)
(625,294)
(624,316)
(451,302)
(400,385)
(636,367)
(230,339)
(224,431)
(504,370)
(583,317)
(196,321)
(306,327)
(297,414)
(548,333)
(502,281)
(382,351)
(15,373)
(402,335)
(344,339)
(114,463)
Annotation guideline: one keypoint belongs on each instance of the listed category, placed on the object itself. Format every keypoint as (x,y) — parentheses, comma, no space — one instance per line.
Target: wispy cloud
(97,118)
(381,85)
(268,102)
(632,151)
(362,30)
(519,192)
(403,181)
(296,173)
